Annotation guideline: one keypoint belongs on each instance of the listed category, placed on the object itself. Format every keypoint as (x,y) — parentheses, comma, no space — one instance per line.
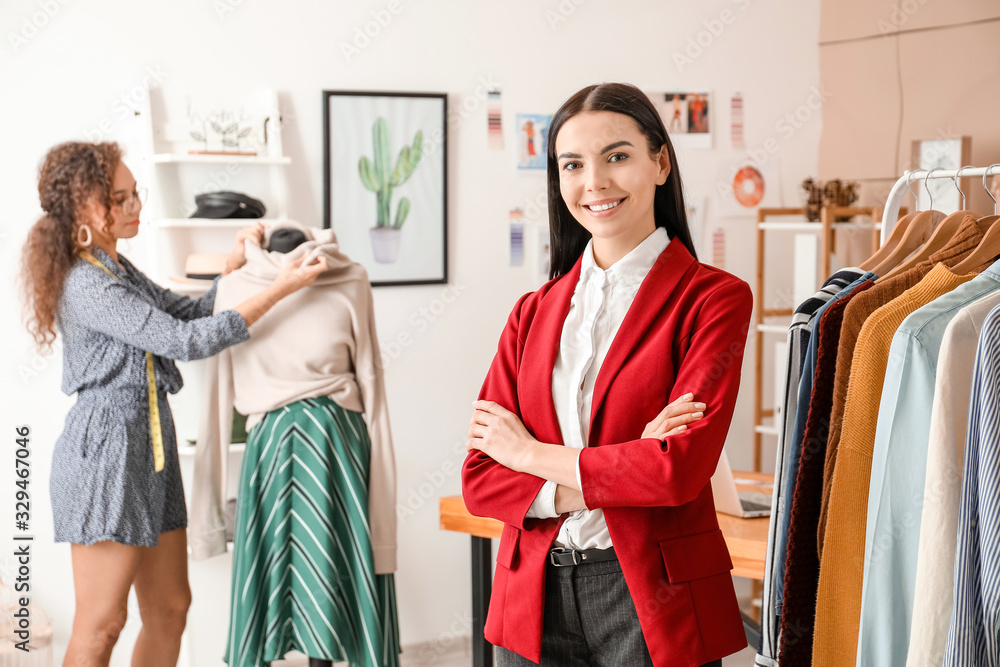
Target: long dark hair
(567,237)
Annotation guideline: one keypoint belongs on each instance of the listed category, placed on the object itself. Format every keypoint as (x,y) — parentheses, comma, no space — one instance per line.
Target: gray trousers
(590,620)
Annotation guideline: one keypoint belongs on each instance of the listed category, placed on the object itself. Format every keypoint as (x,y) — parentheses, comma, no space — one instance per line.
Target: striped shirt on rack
(973,635)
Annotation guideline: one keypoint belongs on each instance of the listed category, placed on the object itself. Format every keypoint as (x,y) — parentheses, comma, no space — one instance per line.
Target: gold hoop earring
(84,228)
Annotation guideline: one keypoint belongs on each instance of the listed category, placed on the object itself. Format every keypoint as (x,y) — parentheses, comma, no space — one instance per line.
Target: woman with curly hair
(115,486)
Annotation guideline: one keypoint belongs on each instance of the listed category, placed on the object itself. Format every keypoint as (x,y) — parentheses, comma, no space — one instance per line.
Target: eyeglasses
(134,200)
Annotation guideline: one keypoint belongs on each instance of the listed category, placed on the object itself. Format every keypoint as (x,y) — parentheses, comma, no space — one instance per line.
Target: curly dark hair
(72,174)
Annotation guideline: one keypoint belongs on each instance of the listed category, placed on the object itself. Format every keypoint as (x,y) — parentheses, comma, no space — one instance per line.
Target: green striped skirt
(303,571)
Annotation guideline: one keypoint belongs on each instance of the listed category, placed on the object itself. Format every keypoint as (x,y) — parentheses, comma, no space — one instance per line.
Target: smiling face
(608,178)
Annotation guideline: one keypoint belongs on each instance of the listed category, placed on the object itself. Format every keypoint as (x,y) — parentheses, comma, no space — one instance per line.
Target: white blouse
(596,311)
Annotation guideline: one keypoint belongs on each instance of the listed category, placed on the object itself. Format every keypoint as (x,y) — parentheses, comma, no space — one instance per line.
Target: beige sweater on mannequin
(319,341)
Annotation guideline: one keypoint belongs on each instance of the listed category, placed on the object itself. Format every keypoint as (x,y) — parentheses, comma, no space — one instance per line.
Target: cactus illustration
(379,176)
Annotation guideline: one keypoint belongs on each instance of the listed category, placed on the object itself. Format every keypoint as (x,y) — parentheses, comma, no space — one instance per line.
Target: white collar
(630,270)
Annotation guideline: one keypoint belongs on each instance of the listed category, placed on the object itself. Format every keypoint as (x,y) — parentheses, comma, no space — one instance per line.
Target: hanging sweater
(319,341)
(802,561)
(838,604)
(961,244)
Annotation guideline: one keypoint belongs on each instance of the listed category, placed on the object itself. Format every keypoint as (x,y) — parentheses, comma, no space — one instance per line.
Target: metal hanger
(918,233)
(985,174)
(957,176)
(989,248)
(942,235)
(891,243)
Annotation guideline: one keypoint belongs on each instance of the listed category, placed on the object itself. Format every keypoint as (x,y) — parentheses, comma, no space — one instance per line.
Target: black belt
(563,557)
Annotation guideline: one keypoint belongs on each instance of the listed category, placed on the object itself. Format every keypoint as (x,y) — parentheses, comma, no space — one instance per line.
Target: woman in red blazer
(656,589)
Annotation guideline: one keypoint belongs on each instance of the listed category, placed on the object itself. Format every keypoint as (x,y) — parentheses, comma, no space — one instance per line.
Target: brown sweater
(838,598)
(798,613)
(961,244)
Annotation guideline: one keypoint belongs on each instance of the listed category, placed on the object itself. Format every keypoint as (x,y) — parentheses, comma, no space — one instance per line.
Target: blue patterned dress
(104,485)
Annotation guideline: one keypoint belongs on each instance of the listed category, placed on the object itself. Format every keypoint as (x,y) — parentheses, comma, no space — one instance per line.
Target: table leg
(482,583)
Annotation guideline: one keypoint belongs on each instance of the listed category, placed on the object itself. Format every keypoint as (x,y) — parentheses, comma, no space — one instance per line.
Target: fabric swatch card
(494,127)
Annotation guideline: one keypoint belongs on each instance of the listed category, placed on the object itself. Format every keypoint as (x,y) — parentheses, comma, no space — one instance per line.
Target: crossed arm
(500,434)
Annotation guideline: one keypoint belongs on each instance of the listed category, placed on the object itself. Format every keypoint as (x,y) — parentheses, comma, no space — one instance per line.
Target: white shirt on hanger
(598,306)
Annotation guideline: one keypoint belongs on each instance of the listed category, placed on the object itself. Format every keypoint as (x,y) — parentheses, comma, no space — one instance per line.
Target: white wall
(65,77)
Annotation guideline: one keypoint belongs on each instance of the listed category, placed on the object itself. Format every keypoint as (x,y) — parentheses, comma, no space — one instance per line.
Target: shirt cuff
(544,504)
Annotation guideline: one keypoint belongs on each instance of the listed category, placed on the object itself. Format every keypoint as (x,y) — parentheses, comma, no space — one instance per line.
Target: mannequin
(315,532)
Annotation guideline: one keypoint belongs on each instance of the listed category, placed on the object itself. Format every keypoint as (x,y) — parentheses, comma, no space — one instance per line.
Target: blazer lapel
(656,288)
(541,348)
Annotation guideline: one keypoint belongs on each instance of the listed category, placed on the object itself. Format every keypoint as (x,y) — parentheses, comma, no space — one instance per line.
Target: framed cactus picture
(385,171)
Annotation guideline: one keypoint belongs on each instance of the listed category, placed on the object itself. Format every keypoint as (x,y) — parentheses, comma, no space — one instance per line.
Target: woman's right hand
(296,274)
(674,418)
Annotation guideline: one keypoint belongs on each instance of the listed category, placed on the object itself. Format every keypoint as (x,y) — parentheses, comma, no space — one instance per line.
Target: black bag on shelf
(221,205)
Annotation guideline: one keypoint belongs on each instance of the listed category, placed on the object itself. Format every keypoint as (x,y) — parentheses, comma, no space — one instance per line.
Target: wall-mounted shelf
(806,226)
(174,176)
(210,223)
(186,158)
(773,328)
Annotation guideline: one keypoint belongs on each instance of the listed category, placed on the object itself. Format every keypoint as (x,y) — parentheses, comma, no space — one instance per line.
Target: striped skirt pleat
(303,571)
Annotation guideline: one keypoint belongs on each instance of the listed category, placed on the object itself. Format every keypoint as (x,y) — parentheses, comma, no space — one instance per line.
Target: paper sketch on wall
(743,186)
(687,117)
(748,186)
(532,138)
(949,153)
(719,248)
(736,120)
(493,120)
(516,237)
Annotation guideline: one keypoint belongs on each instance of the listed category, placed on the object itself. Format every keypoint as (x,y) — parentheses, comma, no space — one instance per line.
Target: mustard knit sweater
(838,603)
(857,312)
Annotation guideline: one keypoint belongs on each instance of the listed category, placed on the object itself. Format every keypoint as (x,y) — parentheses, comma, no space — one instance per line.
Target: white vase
(385,244)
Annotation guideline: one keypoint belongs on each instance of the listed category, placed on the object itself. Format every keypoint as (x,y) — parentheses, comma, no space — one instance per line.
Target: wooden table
(746,539)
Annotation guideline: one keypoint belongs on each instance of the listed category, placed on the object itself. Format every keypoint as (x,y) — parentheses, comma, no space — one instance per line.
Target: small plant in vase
(379,176)
(198,133)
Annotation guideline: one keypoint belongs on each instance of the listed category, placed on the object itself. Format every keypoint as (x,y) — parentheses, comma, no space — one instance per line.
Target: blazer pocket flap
(508,546)
(695,556)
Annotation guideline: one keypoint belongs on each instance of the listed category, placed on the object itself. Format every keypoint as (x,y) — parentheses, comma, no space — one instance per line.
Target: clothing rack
(899,190)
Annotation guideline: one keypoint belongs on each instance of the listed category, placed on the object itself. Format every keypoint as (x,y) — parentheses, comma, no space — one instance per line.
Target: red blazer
(685,332)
